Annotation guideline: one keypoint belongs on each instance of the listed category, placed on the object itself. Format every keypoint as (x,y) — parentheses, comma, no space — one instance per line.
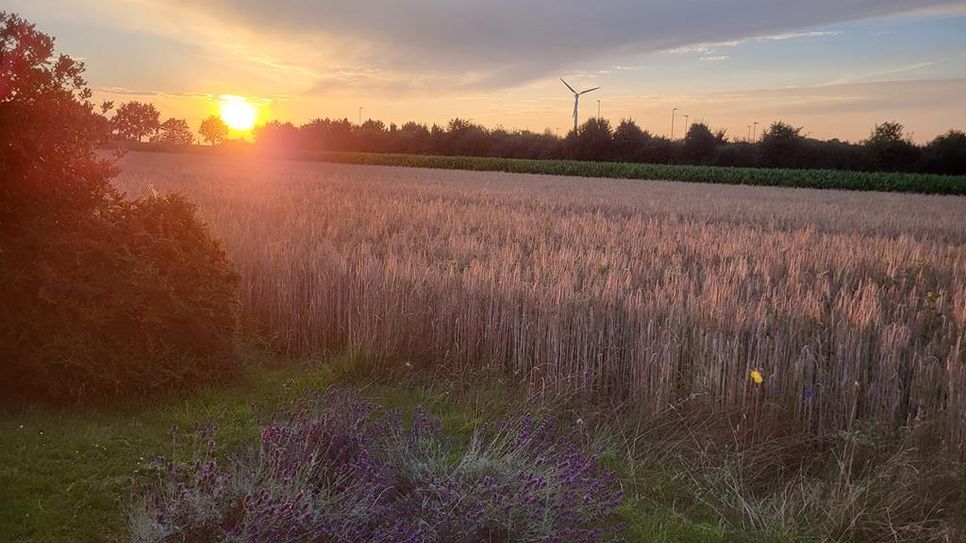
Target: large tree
(101,296)
(213,129)
(136,120)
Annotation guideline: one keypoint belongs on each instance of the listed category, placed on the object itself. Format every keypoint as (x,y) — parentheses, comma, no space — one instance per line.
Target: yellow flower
(757,377)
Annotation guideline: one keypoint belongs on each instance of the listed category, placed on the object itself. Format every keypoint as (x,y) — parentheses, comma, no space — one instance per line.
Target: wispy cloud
(716,58)
(873,75)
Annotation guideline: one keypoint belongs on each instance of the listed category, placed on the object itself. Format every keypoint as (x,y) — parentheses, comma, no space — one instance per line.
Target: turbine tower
(577,100)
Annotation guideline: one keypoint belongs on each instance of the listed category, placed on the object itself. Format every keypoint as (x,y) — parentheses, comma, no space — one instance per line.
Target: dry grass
(853,305)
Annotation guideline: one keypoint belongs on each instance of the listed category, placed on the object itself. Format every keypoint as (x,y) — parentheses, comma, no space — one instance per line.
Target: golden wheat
(850,304)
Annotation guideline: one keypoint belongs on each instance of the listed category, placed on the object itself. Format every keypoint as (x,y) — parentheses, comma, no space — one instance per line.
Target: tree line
(888,147)
(135,121)
(782,145)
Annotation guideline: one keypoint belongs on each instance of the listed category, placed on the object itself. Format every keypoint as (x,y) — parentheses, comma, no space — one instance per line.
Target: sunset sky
(835,67)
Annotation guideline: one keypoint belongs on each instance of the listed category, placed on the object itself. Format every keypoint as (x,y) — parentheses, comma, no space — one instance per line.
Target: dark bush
(339,470)
(740,154)
(101,296)
(945,154)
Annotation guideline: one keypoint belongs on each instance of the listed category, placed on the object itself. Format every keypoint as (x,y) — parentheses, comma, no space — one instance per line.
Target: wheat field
(852,306)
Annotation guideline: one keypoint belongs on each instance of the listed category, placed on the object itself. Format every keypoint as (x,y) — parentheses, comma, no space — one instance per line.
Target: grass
(67,474)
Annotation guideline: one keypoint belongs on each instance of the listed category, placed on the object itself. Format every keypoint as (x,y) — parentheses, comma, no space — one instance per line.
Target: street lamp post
(749,133)
(685,125)
(360,115)
(754,132)
(598,110)
(673,111)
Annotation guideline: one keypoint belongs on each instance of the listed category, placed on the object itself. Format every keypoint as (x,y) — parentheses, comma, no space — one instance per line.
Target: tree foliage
(945,154)
(782,145)
(102,295)
(174,132)
(136,120)
(213,129)
(888,149)
(700,145)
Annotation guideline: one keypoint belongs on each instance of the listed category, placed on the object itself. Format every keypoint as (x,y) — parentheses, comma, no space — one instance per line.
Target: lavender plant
(337,468)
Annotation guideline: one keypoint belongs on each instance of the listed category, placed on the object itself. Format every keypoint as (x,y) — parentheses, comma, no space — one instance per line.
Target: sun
(237,112)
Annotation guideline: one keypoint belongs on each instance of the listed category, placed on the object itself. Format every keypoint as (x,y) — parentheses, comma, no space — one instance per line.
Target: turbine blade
(568,86)
(589,90)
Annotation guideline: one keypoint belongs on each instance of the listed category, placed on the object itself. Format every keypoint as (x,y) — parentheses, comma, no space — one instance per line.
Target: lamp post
(685,125)
(754,132)
(673,111)
(598,110)
(749,133)
(360,115)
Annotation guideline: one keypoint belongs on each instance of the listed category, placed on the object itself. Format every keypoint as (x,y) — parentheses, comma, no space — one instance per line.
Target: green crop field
(818,179)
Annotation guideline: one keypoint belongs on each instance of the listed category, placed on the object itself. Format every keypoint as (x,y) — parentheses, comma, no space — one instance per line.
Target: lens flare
(237,112)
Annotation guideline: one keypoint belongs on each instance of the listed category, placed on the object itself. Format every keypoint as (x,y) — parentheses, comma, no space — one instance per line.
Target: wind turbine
(577,100)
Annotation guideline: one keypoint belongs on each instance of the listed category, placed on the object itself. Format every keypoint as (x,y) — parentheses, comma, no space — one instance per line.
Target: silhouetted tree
(628,142)
(591,142)
(279,136)
(700,145)
(782,146)
(213,129)
(136,120)
(945,154)
(738,153)
(465,138)
(887,148)
(174,132)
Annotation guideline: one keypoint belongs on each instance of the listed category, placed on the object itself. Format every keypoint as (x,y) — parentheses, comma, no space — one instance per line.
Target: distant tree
(700,145)
(738,153)
(782,146)
(591,142)
(370,136)
(628,141)
(278,136)
(174,132)
(213,129)
(946,154)
(888,149)
(659,150)
(413,138)
(465,138)
(136,120)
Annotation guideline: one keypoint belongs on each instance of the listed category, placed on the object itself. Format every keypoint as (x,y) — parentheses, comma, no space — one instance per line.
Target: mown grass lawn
(67,474)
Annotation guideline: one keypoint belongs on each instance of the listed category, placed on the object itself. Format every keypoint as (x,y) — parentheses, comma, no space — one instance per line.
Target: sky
(833,67)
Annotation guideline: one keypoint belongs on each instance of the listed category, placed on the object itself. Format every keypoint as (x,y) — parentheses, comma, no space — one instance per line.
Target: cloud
(871,76)
(467,44)
(717,58)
